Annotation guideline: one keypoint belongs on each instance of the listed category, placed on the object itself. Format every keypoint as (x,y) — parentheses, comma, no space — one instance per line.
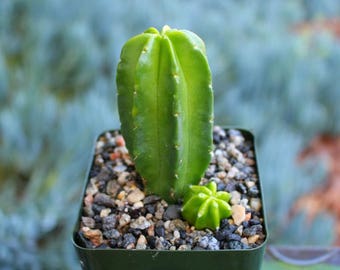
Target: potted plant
(181,194)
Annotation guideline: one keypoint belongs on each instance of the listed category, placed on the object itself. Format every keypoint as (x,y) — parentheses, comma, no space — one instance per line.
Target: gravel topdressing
(118,214)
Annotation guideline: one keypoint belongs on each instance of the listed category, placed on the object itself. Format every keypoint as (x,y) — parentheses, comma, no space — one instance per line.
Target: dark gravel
(117,213)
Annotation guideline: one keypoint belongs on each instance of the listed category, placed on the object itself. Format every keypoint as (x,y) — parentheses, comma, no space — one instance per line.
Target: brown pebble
(120,141)
(88,200)
(115,155)
(250,161)
(95,236)
(151,230)
(238,214)
(248,216)
(252,239)
(121,195)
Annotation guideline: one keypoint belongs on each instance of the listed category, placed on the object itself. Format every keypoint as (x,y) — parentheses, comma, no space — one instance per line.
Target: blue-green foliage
(57,64)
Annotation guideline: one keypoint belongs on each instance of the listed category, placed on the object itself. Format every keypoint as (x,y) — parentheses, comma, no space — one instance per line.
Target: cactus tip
(165,29)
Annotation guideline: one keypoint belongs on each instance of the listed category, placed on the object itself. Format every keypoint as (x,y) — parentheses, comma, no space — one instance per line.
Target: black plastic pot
(104,259)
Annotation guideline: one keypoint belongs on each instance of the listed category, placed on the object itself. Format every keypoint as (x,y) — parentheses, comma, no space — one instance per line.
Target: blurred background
(275,68)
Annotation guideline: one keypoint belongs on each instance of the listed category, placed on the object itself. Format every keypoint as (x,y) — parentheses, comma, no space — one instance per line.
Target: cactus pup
(165,104)
(204,206)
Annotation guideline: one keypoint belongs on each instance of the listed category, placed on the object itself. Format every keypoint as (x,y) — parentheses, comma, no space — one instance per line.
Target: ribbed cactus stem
(165,105)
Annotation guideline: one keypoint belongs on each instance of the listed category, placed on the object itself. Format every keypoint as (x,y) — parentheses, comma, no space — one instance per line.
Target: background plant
(57,62)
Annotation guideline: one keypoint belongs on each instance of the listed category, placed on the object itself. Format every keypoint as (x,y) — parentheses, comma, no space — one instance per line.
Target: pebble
(129,241)
(253,191)
(222,175)
(151,241)
(233,237)
(100,144)
(250,184)
(112,234)
(88,222)
(244,241)
(238,214)
(119,168)
(140,223)
(135,196)
(176,234)
(116,204)
(105,212)
(244,203)
(141,242)
(123,178)
(232,172)
(159,212)
(184,247)
(167,225)
(112,188)
(160,231)
(121,195)
(92,188)
(104,200)
(235,197)
(252,239)
(250,162)
(241,188)
(151,230)
(120,141)
(95,236)
(159,243)
(109,222)
(255,204)
(151,199)
(235,245)
(88,200)
(176,224)
(209,242)
(124,220)
(239,230)
(138,205)
(252,230)
(172,212)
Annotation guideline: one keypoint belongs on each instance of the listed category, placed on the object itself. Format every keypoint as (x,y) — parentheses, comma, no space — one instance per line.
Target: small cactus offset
(165,104)
(204,206)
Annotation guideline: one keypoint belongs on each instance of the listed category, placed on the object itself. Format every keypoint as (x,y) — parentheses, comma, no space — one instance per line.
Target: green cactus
(165,104)
(204,206)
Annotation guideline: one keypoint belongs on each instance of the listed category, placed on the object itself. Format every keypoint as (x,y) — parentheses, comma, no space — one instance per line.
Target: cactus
(165,105)
(204,206)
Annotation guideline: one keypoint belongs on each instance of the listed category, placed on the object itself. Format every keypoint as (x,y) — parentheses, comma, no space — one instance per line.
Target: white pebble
(255,204)
(124,220)
(235,197)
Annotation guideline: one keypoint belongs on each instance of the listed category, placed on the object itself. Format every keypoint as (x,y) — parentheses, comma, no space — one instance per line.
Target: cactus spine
(165,104)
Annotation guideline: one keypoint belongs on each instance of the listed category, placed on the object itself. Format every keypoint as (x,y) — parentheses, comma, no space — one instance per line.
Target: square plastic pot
(107,259)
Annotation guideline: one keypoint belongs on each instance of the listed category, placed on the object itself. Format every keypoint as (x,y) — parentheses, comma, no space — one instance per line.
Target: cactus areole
(165,104)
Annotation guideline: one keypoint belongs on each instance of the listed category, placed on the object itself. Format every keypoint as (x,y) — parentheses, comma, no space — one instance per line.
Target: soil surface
(118,214)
